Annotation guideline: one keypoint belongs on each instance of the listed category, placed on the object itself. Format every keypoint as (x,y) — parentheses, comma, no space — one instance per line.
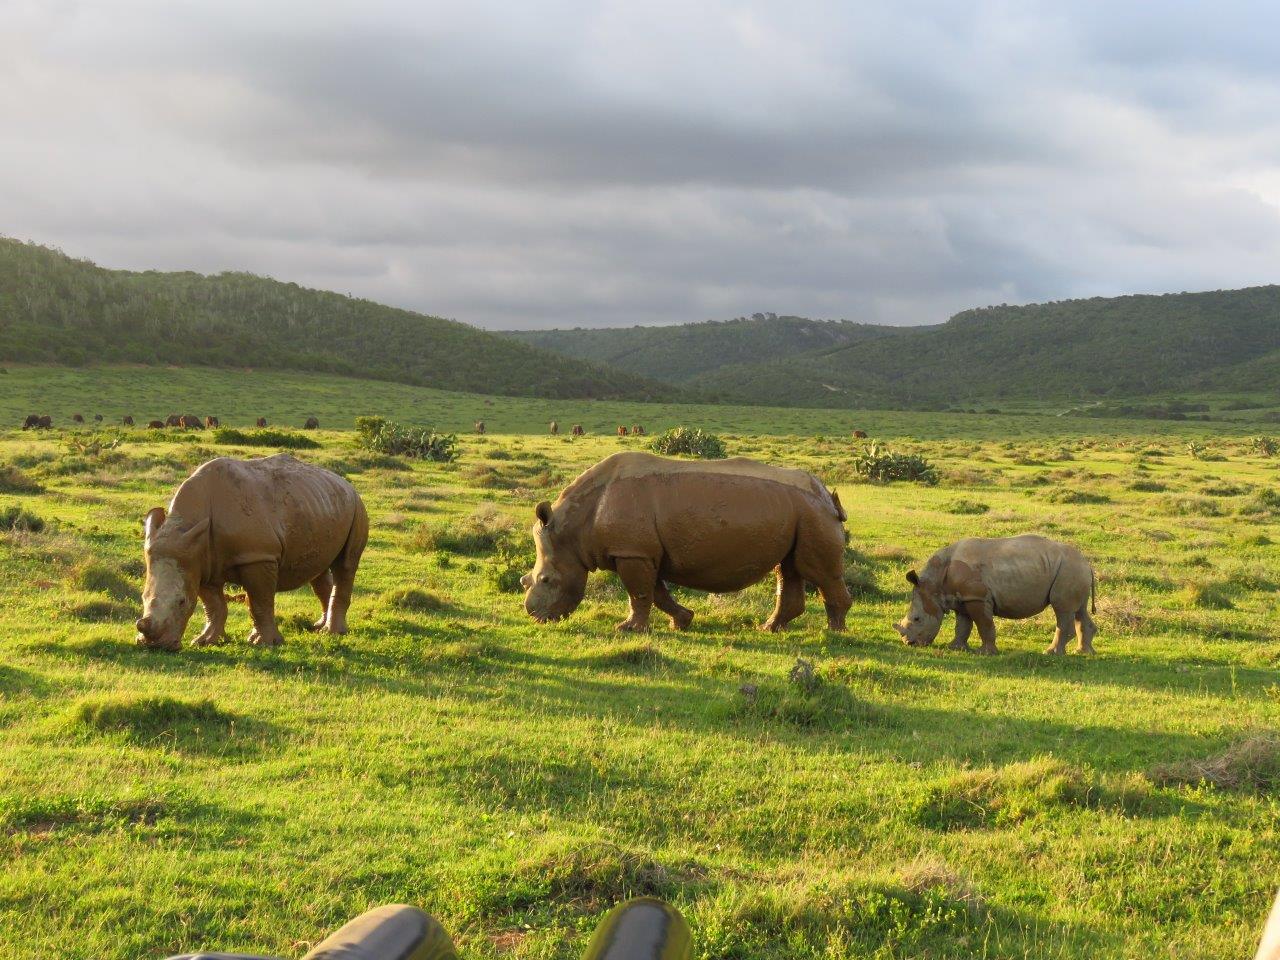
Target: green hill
(677,354)
(54,309)
(1131,346)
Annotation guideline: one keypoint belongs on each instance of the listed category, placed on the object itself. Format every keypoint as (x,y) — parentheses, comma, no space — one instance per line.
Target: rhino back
(1020,571)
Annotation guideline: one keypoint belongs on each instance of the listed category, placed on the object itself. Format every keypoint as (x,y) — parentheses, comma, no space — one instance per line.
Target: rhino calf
(714,525)
(1012,577)
(267,524)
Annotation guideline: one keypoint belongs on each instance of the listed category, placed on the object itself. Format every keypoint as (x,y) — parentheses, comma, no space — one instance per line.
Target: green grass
(515,780)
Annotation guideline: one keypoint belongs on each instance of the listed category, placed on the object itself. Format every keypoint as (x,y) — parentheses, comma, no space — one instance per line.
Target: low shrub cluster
(878,464)
(423,443)
(688,442)
(281,439)
(15,518)
(13,480)
(1264,446)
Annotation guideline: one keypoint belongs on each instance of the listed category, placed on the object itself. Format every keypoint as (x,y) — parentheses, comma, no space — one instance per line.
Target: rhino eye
(543,578)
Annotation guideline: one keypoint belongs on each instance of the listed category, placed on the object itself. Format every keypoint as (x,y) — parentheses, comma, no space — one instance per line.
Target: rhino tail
(835,502)
(1093,585)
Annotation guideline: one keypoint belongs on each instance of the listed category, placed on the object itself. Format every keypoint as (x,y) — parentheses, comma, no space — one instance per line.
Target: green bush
(1265,446)
(264,438)
(684,441)
(386,436)
(15,518)
(878,464)
(509,563)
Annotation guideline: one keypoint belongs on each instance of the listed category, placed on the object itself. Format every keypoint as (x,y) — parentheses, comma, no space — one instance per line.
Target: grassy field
(516,780)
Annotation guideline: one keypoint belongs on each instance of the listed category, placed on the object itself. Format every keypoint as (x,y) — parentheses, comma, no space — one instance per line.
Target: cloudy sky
(552,163)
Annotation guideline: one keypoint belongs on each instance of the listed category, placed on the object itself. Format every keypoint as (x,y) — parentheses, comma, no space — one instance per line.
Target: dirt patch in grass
(1251,764)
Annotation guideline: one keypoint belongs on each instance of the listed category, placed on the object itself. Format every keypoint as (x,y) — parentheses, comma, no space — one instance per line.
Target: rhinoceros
(1012,577)
(267,524)
(715,525)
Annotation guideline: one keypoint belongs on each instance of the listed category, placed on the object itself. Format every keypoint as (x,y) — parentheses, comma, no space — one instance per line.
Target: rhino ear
(543,512)
(152,521)
(189,537)
(913,578)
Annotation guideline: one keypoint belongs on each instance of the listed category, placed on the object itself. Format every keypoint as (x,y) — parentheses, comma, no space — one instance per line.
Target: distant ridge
(55,309)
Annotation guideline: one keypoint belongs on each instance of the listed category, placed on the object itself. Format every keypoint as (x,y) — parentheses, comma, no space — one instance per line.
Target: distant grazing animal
(156,425)
(622,431)
(860,434)
(638,431)
(190,422)
(311,424)
(32,422)
(212,422)
(173,420)
(77,418)
(97,418)
(262,421)
(577,430)
(1013,577)
(553,427)
(479,426)
(267,524)
(718,525)
(127,420)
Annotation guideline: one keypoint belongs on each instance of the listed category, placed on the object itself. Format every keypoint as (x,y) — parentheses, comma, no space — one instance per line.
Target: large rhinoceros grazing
(267,524)
(1012,577)
(715,525)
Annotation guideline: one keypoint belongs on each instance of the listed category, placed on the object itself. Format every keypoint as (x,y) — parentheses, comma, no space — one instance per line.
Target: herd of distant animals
(717,526)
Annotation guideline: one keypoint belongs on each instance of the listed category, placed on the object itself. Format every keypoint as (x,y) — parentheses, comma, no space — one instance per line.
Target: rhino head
(919,628)
(175,560)
(558,581)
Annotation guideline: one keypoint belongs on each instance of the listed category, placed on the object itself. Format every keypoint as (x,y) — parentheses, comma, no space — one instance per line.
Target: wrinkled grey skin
(923,621)
(558,581)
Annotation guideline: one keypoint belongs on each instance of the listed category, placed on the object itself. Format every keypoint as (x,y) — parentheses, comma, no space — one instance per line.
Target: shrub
(1262,502)
(966,507)
(690,443)
(1264,446)
(15,518)
(879,464)
(508,565)
(423,443)
(13,480)
(282,439)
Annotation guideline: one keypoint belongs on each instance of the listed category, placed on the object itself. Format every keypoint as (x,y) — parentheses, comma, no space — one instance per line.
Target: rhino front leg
(977,612)
(259,580)
(964,627)
(215,616)
(640,577)
(680,616)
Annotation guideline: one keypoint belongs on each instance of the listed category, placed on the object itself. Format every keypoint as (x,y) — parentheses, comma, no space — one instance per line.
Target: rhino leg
(977,612)
(1066,628)
(820,559)
(344,573)
(790,602)
(640,577)
(1086,630)
(215,615)
(323,587)
(680,616)
(964,627)
(259,580)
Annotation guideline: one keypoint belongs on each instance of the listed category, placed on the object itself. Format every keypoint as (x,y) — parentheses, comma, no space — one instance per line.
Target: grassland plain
(517,779)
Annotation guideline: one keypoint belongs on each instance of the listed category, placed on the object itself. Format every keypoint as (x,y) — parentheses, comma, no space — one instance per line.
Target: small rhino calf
(1012,577)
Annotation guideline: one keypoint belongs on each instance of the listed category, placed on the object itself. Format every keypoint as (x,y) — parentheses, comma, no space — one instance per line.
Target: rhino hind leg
(1066,628)
(259,580)
(323,587)
(344,573)
(1086,630)
(640,577)
(790,597)
(824,568)
(680,616)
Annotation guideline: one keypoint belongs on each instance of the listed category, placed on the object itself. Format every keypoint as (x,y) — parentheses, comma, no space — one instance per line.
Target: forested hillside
(54,309)
(679,353)
(1121,347)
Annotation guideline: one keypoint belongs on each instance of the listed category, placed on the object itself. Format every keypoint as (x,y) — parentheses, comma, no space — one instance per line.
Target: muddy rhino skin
(267,524)
(715,525)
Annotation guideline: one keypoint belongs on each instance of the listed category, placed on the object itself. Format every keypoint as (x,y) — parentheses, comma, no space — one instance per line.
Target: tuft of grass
(280,439)
(1251,764)
(13,480)
(1068,495)
(16,518)
(642,655)
(96,577)
(147,716)
(104,611)
(1208,595)
(1143,485)
(413,600)
(926,875)
(828,706)
(965,507)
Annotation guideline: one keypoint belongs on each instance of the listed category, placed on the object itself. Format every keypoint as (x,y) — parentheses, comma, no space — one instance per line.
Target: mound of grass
(96,577)
(966,507)
(13,480)
(1143,485)
(1209,595)
(84,810)
(1263,503)
(413,600)
(280,439)
(827,706)
(15,518)
(1070,495)
(924,876)
(639,655)
(1251,764)
(147,716)
(476,535)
